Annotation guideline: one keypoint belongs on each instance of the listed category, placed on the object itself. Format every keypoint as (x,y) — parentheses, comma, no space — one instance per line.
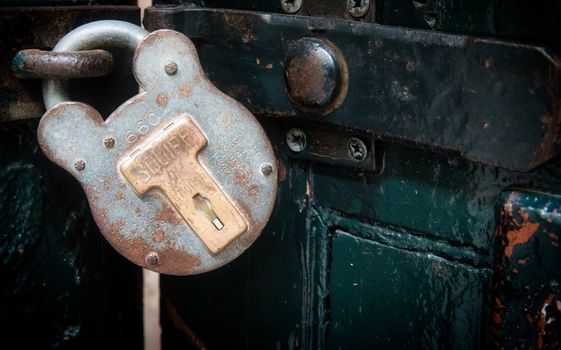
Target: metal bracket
(490,101)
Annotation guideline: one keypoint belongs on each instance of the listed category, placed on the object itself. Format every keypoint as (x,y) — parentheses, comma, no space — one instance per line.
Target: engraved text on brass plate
(169,163)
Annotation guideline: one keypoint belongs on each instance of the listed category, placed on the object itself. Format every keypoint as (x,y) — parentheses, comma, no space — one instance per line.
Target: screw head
(109,142)
(171,68)
(152,259)
(80,165)
(357,149)
(296,140)
(267,169)
(291,6)
(358,8)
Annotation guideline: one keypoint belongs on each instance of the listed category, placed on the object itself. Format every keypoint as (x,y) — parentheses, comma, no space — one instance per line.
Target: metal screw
(267,169)
(291,6)
(296,140)
(357,149)
(358,8)
(152,259)
(80,165)
(171,67)
(109,142)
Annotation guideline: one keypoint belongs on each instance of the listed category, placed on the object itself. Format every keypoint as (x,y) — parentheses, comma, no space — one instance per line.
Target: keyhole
(204,205)
(357,3)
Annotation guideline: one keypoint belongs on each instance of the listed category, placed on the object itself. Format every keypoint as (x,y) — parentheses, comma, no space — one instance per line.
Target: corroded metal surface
(527,292)
(105,33)
(169,163)
(316,75)
(139,225)
(39,64)
(42,27)
(468,95)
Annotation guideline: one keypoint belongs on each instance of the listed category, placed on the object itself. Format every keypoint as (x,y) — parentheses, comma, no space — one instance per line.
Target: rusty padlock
(181,178)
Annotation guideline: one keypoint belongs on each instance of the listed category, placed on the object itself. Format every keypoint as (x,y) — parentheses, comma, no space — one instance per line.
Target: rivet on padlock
(181,178)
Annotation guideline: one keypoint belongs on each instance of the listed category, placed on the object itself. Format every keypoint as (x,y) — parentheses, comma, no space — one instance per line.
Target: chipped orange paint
(309,191)
(521,234)
(542,321)
(497,311)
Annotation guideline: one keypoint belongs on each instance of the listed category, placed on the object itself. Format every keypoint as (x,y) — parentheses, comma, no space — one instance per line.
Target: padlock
(181,178)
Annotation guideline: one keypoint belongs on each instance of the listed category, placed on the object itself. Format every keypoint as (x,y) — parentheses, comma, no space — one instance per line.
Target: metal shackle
(95,35)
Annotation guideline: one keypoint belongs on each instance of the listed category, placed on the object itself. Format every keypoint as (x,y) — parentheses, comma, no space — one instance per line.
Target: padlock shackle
(94,35)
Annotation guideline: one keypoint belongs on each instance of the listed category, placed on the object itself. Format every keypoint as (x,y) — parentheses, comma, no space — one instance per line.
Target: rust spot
(162,100)
(306,85)
(542,320)
(497,317)
(309,190)
(488,63)
(116,227)
(253,190)
(170,215)
(551,131)
(135,249)
(522,261)
(185,90)
(158,236)
(497,311)
(521,234)
(281,171)
(177,262)
(180,325)
(246,37)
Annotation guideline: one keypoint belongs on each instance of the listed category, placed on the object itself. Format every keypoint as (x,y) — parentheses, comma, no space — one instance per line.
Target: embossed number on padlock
(175,176)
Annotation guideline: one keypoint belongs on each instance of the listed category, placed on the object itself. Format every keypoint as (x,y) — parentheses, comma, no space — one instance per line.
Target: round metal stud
(316,76)
(171,68)
(109,142)
(267,169)
(80,165)
(152,259)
